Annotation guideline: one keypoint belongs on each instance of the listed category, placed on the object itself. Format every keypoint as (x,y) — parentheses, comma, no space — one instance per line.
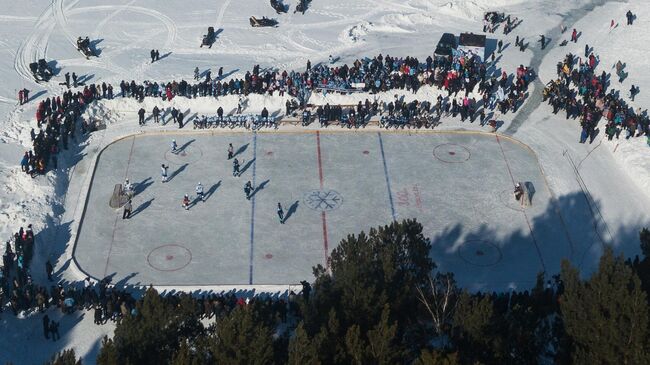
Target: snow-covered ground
(608,193)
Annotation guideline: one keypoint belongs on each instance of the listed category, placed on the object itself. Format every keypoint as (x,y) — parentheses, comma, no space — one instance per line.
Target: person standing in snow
(46,327)
(128,208)
(153,55)
(196,73)
(128,189)
(199,191)
(235,168)
(248,189)
(630,17)
(574,36)
(156,114)
(280,213)
(141,116)
(163,173)
(543,41)
(49,269)
(500,45)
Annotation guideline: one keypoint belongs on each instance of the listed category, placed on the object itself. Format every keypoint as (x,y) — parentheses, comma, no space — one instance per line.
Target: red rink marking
(323,215)
(268,256)
(366,152)
(269,153)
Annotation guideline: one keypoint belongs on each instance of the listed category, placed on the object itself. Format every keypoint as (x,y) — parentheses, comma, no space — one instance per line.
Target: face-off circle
(507,198)
(169,257)
(451,153)
(323,200)
(480,253)
(189,154)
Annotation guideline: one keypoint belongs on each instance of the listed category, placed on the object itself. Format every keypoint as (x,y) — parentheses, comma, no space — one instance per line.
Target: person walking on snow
(163,173)
(128,208)
(49,269)
(46,327)
(574,36)
(153,55)
(235,168)
(199,191)
(156,114)
(248,188)
(141,116)
(280,213)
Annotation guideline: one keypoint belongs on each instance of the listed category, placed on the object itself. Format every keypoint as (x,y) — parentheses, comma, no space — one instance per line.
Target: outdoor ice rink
(458,185)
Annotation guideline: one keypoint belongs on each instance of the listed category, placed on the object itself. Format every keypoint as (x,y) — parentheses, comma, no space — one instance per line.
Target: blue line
(390,193)
(250,263)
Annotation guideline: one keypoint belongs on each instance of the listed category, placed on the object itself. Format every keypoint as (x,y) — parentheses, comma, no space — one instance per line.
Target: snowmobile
(83,46)
(41,70)
(264,22)
(208,39)
(302,6)
(278,6)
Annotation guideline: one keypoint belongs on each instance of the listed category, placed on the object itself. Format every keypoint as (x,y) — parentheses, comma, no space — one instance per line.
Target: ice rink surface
(459,185)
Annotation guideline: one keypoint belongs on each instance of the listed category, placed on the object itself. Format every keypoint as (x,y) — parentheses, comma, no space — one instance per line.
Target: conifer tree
(606,317)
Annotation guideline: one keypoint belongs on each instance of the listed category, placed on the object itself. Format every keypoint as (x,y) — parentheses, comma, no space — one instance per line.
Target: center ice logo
(323,200)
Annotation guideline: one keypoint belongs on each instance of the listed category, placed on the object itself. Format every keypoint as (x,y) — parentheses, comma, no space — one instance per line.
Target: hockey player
(235,168)
(174,146)
(163,172)
(231,151)
(186,202)
(128,189)
(280,213)
(127,210)
(199,191)
(248,189)
(519,192)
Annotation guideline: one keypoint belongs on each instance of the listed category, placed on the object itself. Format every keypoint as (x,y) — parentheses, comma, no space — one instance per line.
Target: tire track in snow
(222,11)
(169,24)
(28,51)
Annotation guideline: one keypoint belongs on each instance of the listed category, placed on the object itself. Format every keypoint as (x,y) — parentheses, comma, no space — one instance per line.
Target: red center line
(323,215)
(539,253)
(110,248)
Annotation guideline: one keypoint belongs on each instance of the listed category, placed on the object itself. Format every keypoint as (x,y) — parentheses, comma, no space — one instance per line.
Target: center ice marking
(480,253)
(323,200)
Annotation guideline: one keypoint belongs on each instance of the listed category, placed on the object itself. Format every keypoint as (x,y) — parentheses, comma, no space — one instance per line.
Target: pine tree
(66,357)
(152,337)
(383,343)
(240,338)
(301,348)
(471,331)
(108,354)
(436,358)
(644,237)
(606,317)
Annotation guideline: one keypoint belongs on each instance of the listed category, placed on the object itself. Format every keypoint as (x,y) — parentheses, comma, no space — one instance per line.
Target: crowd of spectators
(583,94)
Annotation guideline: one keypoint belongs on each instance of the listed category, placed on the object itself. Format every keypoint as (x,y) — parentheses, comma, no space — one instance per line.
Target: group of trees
(382,301)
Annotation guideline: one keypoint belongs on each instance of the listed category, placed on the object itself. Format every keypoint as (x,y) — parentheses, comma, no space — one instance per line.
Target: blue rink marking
(390,193)
(250,263)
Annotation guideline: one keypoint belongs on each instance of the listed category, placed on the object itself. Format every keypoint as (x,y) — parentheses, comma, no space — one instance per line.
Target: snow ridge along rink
(602,201)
